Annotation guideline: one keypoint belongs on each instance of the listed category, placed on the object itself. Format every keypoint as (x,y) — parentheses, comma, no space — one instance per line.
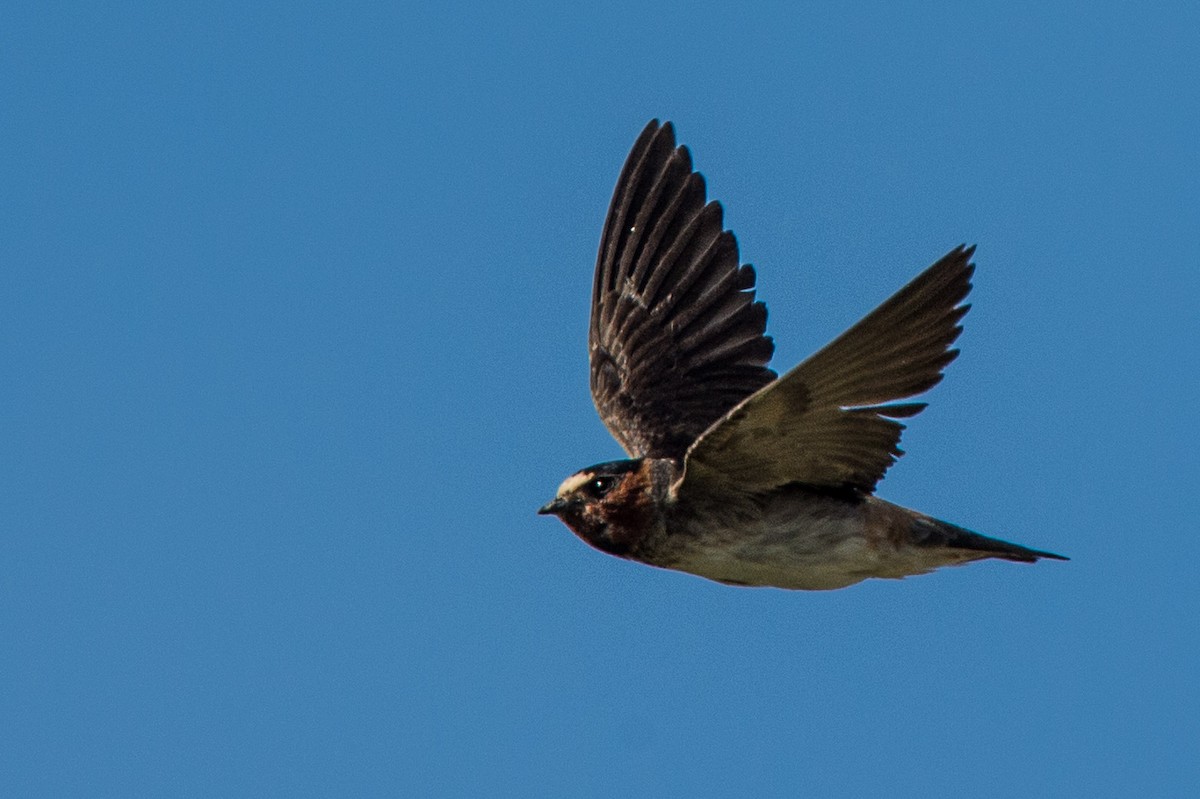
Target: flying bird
(736,474)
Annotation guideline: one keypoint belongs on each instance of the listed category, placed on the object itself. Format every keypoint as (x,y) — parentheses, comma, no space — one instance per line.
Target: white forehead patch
(572,483)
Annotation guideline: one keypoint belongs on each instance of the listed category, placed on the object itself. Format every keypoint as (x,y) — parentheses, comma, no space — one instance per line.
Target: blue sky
(294,311)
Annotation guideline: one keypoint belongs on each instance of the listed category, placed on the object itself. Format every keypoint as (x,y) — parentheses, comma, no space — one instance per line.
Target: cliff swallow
(736,474)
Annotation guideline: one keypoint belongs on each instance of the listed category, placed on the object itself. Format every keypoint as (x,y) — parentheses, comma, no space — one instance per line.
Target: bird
(734,473)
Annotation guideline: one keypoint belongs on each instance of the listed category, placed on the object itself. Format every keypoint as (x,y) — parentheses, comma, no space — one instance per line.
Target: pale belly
(801,545)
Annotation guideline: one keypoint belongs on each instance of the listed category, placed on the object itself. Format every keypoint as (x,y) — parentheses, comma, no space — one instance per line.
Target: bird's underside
(803,539)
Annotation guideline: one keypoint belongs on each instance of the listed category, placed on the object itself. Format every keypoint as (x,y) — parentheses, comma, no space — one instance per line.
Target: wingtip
(961,256)
(650,133)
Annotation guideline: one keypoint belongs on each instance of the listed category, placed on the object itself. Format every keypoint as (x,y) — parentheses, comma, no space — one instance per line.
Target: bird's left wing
(827,423)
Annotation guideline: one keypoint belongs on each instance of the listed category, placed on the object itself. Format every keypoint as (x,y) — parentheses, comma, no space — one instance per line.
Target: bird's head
(610,505)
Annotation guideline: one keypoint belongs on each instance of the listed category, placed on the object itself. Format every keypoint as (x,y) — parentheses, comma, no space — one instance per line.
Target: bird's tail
(931,532)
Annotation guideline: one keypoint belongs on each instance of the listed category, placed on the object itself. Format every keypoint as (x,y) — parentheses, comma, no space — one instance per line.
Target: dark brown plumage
(676,338)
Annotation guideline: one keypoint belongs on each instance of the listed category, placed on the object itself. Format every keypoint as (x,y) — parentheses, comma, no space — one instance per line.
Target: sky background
(293,319)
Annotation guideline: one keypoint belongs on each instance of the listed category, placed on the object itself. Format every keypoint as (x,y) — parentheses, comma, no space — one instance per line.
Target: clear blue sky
(294,306)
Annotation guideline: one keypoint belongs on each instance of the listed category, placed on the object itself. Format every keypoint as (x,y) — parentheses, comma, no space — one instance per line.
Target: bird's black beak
(553,507)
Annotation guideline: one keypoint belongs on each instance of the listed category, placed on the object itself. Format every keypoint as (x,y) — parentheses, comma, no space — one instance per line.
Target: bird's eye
(600,486)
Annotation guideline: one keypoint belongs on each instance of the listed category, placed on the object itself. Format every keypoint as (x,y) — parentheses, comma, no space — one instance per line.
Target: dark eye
(599,486)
